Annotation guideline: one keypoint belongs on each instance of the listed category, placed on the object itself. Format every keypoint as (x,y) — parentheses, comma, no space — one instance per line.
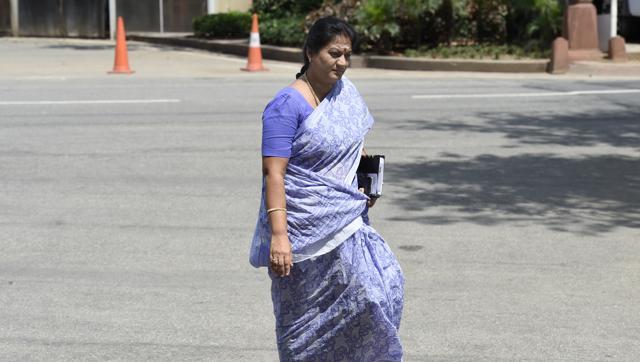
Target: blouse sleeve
(279,126)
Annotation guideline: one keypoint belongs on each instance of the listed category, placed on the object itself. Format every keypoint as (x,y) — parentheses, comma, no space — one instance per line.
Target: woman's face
(332,60)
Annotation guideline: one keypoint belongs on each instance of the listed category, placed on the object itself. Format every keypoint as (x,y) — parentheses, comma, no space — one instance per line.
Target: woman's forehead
(340,41)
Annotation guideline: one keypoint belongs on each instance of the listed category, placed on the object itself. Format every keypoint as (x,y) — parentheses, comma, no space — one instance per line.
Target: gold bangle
(276,209)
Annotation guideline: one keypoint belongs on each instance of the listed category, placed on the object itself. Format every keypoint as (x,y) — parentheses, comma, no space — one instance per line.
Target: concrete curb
(240,48)
(458,65)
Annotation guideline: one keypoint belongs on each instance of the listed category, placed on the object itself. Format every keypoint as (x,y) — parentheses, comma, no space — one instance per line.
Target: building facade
(90,18)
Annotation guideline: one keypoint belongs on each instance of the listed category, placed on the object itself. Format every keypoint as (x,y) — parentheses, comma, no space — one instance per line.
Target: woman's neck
(320,88)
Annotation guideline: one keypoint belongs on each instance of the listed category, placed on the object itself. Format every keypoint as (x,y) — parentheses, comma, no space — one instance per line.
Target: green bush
(282,21)
(284,8)
(534,23)
(282,31)
(419,20)
(529,23)
(386,25)
(225,25)
(376,24)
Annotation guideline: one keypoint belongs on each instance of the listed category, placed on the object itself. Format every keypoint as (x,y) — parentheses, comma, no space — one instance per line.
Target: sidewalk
(239,47)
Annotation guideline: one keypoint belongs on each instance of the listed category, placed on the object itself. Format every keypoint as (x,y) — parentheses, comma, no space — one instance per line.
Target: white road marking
(527,95)
(96,101)
(42,77)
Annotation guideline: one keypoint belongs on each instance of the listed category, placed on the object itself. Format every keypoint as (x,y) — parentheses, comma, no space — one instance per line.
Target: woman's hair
(321,33)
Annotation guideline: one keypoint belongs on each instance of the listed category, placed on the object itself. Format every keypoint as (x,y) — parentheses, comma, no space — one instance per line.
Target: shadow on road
(618,129)
(586,194)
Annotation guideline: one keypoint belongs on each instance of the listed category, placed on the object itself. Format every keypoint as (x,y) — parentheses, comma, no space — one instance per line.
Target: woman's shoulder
(288,99)
(284,95)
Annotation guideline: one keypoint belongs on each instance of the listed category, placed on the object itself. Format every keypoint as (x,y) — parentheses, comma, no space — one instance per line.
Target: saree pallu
(343,299)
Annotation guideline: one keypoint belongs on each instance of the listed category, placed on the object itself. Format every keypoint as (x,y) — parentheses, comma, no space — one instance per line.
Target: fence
(160,15)
(90,18)
(75,18)
(5,17)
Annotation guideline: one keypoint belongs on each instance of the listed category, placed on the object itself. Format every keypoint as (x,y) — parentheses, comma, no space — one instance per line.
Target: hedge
(288,31)
(225,25)
(388,26)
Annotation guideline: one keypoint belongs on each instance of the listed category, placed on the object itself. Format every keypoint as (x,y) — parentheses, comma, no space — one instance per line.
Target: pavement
(128,202)
(171,60)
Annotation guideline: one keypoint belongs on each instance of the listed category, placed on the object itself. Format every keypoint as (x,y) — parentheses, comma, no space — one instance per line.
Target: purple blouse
(280,121)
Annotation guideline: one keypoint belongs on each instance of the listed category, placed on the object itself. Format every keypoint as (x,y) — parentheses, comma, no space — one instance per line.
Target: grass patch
(479,51)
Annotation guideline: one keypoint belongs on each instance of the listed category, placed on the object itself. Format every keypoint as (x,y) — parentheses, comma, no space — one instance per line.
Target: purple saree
(343,299)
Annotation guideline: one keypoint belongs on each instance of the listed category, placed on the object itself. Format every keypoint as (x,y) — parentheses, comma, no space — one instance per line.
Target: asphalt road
(127,204)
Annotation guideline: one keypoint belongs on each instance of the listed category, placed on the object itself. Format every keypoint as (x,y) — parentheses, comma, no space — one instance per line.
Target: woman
(337,289)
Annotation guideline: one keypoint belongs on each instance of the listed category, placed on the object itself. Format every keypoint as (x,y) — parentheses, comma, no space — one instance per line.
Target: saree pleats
(345,305)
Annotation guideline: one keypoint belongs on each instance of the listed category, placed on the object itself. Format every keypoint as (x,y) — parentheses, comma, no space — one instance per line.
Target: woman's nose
(342,61)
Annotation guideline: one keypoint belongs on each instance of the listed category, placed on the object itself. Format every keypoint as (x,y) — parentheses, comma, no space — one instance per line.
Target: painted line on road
(526,95)
(97,101)
(42,77)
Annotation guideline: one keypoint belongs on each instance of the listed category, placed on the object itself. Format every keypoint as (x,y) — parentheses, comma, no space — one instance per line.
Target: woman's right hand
(280,255)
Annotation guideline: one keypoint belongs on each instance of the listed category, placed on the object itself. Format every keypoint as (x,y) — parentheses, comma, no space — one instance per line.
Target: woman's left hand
(372,200)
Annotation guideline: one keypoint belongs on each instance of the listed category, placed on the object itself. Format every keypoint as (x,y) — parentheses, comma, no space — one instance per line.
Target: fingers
(275,265)
(371,201)
(281,265)
(287,265)
(276,268)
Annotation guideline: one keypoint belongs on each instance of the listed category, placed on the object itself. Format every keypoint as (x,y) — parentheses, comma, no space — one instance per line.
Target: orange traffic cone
(254,63)
(121,63)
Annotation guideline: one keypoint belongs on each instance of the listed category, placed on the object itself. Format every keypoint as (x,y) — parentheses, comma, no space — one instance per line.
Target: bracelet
(276,209)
